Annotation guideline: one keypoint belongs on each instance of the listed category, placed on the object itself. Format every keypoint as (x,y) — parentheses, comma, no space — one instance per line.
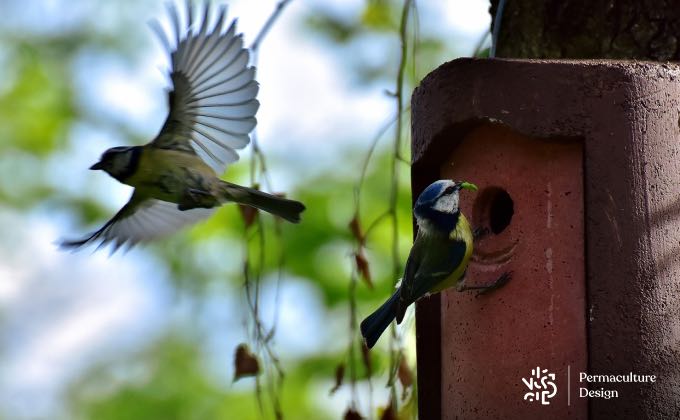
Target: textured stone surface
(627,117)
(490,342)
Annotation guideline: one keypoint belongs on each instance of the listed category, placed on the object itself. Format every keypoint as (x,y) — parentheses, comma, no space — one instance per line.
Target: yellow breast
(463,233)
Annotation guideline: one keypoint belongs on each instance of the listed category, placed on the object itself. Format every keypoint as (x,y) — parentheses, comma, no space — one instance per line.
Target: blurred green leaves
(375,16)
(170,378)
(38,105)
(169,381)
(381,15)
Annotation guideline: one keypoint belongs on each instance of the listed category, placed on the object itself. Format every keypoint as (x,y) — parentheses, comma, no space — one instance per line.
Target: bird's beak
(468,186)
(96,166)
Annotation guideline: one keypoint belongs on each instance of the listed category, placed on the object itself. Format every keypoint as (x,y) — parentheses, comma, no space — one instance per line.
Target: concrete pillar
(578,164)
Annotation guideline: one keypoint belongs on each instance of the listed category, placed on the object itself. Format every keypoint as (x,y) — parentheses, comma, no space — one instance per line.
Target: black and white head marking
(437,206)
(448,200)
(120,162)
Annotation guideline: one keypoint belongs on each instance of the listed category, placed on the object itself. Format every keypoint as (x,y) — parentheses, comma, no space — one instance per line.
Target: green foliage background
(168,378)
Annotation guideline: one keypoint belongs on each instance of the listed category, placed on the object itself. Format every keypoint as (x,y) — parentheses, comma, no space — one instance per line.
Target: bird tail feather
(376,323)
(278,206)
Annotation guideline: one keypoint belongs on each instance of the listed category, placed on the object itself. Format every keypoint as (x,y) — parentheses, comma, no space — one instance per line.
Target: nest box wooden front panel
(531,199)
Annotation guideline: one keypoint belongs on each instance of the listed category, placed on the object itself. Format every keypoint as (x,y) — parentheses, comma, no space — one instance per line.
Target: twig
(268,24)
(353,331)
(394,191)
(376,222)
(371,150)
(496,28)
(263,338)
(480,44)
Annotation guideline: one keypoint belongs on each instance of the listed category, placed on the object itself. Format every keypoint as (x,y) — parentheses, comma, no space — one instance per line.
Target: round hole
(493,209)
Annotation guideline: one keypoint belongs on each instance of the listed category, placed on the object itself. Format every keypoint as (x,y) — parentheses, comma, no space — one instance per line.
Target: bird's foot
(194,198)
(500,282)
(480,233)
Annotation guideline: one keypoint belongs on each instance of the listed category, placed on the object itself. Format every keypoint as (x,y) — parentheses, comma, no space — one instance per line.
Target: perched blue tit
(212,110)
(437,260)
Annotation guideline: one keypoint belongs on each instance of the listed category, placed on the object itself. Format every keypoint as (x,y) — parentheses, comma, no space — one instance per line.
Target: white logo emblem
(541,386)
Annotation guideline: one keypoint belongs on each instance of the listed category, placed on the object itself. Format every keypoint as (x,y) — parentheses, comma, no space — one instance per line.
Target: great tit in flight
(212,111)
(437,260)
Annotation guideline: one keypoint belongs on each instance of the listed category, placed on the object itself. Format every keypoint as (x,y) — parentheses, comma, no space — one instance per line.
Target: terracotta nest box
(578,169)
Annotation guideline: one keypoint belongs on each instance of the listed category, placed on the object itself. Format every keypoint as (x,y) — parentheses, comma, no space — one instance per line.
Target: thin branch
(394,191)
(480,44)
(415,41)
(496,28)
(399,100)
(391,211)
(371,150)
(375,223)
(353,331)
(253,270)
(268,24)
(258,155)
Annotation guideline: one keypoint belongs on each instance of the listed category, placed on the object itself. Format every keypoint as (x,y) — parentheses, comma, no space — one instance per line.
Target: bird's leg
(497,284)
(480,233)
(196,198)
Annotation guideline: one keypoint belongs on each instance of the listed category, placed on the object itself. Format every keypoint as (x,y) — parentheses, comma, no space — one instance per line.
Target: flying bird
(212,107)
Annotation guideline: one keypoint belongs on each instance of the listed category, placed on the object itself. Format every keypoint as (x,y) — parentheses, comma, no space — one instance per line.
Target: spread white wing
(212,104)
(141,220)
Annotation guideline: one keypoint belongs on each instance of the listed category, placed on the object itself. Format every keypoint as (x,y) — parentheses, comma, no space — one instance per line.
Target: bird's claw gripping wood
(480,233)
(497,284)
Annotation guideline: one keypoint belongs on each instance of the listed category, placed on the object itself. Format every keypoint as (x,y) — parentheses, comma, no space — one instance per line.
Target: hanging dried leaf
(352,414)
(355,228)
(389,413)
(249,214)
(366,358)
(245,362)
(405,376)
(362,267)
(339,377)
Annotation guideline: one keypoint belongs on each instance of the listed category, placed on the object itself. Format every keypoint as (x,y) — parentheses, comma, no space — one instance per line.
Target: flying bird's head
(437,206)
(119,162)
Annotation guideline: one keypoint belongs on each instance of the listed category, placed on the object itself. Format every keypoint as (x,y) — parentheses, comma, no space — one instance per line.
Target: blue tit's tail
(373,326)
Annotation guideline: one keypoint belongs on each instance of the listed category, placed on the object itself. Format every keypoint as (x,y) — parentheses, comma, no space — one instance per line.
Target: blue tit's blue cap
(433,191)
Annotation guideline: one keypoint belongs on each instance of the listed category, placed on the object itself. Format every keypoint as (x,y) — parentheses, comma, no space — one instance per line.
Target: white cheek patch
(447,204)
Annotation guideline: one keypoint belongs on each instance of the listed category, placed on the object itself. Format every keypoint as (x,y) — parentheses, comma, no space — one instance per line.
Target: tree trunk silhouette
(615,29)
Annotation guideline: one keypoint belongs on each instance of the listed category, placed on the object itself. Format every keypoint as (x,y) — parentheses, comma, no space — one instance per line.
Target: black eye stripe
(449,190)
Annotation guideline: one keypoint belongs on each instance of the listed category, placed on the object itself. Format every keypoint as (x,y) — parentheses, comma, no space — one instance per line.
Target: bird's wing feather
(140,220)
(436,262)
(212,104)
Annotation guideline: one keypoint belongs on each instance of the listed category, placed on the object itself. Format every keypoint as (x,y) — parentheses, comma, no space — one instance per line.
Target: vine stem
(253,269)
(395,352)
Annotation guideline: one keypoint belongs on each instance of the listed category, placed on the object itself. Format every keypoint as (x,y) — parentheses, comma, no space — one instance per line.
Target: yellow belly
(461,233)
(167,174)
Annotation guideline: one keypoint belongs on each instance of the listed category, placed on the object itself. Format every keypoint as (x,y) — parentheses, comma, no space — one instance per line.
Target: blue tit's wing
(140,220)
(407,281)
(432,260)
(212,104)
